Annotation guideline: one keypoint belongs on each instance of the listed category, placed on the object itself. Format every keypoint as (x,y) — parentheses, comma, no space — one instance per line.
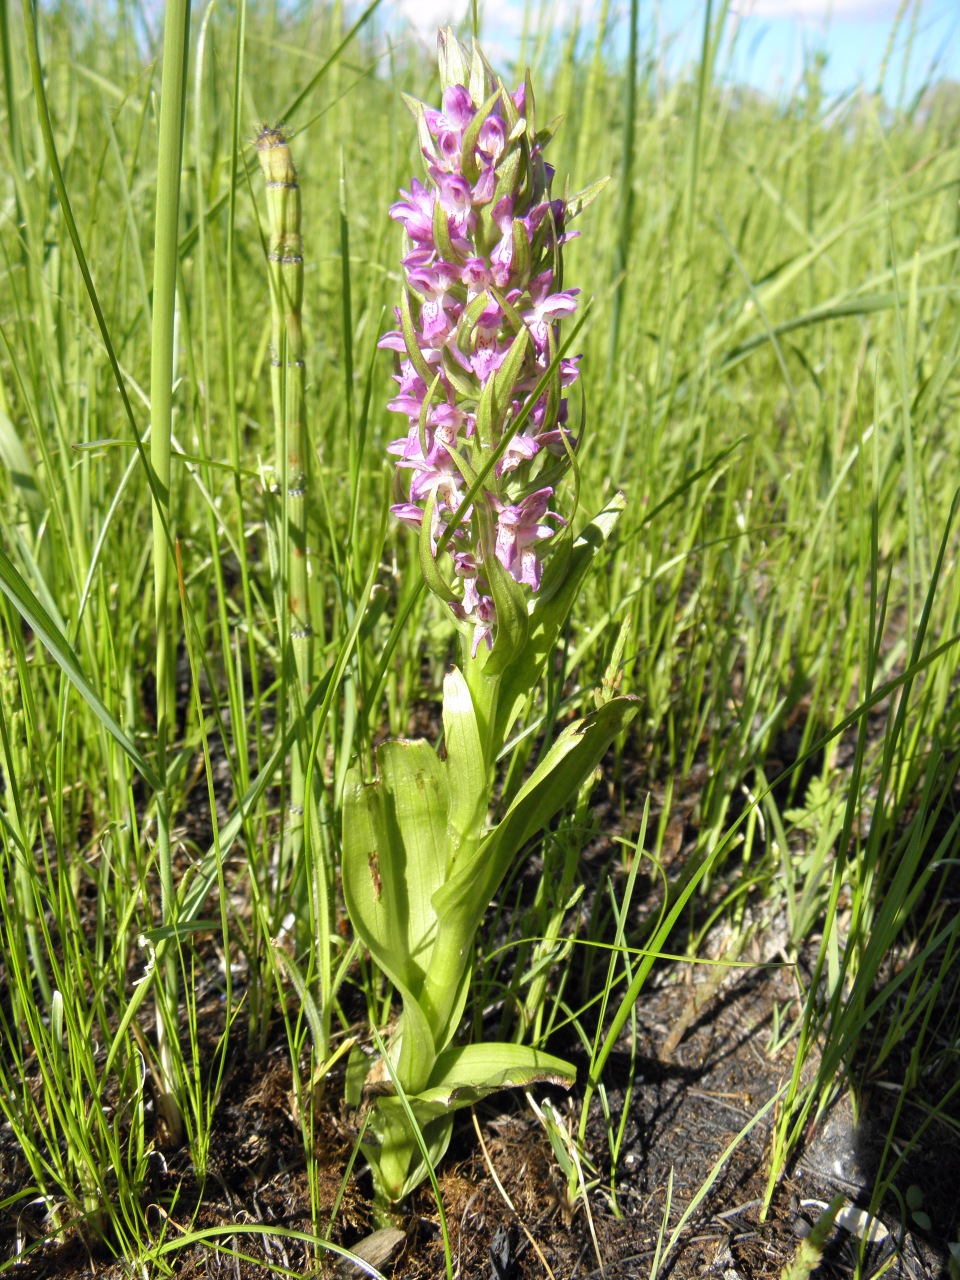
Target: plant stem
(288,374)
(176,41)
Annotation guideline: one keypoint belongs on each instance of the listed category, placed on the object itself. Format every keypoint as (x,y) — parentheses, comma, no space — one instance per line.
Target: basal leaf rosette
(480,379)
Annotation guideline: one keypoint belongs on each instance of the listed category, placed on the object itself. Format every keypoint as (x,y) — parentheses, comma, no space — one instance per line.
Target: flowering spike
(476,355)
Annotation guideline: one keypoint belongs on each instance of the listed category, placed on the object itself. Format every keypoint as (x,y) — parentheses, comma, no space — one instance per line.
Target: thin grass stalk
(176,41)
(9,57)
(626,184)
(24,900)
(230,364)
(287,377)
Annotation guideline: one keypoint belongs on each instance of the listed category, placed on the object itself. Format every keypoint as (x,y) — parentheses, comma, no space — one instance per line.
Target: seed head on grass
(479,378)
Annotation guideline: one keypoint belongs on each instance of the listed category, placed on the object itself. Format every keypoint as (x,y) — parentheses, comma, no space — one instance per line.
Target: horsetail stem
(285,260)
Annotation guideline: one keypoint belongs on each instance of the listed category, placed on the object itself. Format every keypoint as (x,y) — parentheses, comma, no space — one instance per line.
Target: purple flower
(501,259)
(392,340)
(492,138)
(569,371)
(440,308)
(485,186)
(520,449)
(436,473)
(415,211)
(449,418)
(546,307)
(476,276)
(413,392)
(485,321)
(458,107)
(456,200)
(409,381)
(474,606)
(490,349)
(519,528)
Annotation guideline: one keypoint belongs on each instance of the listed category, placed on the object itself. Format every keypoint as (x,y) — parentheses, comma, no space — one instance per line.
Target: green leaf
(441,235)
(453,64)
(33,613)
(457,378)
(544,135)
(529,103)
(15,458)
(481,74)
(485,415)
(507,171)
(417,1050)
(468,320)
(520,262)
(462,1077)
(575,754)
(395,857)
(482,1069)
(462,900)
(468,159)
(308,1003)
(396,1160)
(376,604)
(576,204)
(467,1074)
(424,136)
(468,786)
(558,592)
(34,576)
(508,596)
(511,113)
(428,564)
(553,386)
(506,377)
(410,339)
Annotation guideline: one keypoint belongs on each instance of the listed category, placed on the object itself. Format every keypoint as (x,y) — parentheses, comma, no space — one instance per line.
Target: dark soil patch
(684,1129)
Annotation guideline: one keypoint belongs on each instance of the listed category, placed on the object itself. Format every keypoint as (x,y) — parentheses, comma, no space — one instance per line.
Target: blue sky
(772,36)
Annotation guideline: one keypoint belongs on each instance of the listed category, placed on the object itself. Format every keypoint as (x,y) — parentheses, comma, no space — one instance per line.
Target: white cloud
(426,15)
(819,10)
(502,20)
(505,17)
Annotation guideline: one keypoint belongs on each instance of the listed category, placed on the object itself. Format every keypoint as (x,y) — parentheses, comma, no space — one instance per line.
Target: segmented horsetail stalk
(285,259)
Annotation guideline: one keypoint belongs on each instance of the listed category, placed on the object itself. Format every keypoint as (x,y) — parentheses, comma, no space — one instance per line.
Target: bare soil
(688,1124)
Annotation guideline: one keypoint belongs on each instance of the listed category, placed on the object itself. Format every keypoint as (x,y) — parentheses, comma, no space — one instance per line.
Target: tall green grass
(771,376)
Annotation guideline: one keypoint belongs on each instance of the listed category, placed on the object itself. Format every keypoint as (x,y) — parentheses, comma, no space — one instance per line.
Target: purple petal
(458,106)
(485,186)
(520,449)
(475,274)
(492,138)
(409,513)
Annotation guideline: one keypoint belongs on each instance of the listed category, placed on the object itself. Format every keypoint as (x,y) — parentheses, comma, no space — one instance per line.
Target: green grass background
(771,375)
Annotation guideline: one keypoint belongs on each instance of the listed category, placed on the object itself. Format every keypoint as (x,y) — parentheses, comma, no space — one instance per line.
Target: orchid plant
(483,385)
